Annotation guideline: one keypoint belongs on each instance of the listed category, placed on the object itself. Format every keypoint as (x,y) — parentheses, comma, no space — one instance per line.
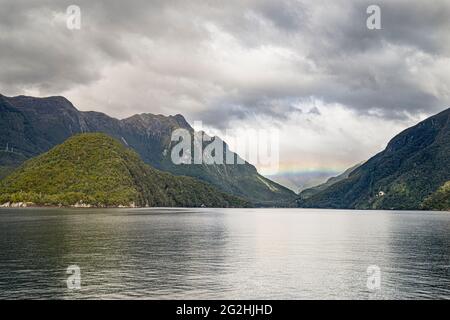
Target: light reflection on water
(223,253)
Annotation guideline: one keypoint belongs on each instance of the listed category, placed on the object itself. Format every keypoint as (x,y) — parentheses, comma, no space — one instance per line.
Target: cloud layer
(225,62)
(230,58)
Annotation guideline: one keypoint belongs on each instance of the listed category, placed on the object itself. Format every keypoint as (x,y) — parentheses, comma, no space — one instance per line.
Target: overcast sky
(336,90)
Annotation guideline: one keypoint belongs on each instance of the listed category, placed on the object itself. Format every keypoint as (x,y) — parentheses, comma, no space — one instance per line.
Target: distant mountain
(413,172)
(439,200)
(31,126)
(95,169)
(308,193)
(301,180)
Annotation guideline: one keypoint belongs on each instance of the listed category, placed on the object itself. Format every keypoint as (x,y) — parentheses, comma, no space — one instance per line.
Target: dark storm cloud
(224,60)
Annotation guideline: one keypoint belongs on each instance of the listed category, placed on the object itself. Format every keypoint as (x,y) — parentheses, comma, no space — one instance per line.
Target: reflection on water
(223,253)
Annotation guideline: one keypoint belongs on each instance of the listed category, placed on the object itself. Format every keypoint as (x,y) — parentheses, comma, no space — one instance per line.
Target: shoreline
(30,205)
(21,205)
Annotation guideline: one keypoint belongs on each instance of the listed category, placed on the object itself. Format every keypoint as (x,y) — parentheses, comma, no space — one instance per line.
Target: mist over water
(223,253)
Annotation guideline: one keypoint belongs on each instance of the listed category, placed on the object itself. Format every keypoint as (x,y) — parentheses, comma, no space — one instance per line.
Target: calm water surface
(223,253)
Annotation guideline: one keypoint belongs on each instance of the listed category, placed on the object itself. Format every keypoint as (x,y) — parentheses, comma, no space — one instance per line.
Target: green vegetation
(9,161)
(308,193)
(240,180)
(32,126)
(414,166)
(440,200)
(5,171)
(96,169)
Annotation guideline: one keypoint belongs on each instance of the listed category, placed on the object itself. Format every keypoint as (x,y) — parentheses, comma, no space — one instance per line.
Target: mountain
(10,160)
(31,126)
(95,169)
(308,193)
(439,200)
(301,180)
(413,172)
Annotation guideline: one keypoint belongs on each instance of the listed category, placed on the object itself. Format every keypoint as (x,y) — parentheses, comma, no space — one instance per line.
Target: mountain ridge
(309,192)
(35,125)
(93,169)
(414,166)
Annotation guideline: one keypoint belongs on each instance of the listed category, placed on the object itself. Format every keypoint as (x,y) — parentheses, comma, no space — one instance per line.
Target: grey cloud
(218,61)
(286,15)
(314,110)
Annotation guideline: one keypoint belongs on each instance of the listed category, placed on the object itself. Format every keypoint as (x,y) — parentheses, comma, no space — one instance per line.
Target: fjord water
(223,253)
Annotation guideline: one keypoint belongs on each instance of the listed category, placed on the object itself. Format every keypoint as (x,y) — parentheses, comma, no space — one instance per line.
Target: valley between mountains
(55,155)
